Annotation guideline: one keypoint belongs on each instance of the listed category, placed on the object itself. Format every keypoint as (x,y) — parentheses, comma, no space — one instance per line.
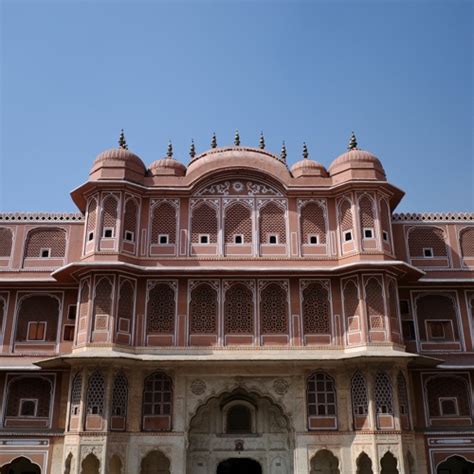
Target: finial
(283,151)
(352,142)
(169,153)
(122,142)
(261,142)
(214,141)
(192,150)
(305,151)
(237,138)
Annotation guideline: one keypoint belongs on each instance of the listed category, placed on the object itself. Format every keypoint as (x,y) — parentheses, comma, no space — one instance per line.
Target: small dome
(307,167)
(119,155)
(167,167)
(354,159)
(118,163)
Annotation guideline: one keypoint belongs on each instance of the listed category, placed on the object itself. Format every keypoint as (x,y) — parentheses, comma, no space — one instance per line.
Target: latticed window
(46,243)
(239,310)
(95,394)
(102,304)
(312,223)
(109,216)
(366,213)
(375,303)
(345,215)
(238,221)
(321,393)
(76,394)
(84,306)
(432,307)
(36,309)
(425,237)
(316,309)
(351,305)
(120,395)
(360,404)
(467,242)
(157,395)
(383,394)
(163,222)
(203,309)
(385,219)
(204,221)
(393,306)
(91,218)
(6,240)
(29,388)
(402,394)
(272,222)
(273,309)
(161,309)
(239,419)
(448,388)
(130,220)
(126,305)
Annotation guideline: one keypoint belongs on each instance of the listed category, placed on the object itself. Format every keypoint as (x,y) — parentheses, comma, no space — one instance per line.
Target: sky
(398,73)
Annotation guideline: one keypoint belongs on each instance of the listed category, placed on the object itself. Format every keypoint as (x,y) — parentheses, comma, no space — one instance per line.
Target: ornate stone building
(236,316)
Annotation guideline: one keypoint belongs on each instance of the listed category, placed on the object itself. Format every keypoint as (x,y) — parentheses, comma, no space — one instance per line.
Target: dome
(120,155)
(118,163)
(167,167)
(356,158)
(307,167)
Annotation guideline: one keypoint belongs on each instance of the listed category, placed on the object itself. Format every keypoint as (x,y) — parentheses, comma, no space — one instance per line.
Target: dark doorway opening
(239,466)
(20,466)
(456,465)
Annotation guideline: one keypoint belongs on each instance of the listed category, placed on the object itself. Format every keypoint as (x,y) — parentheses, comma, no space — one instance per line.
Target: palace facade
(233,316)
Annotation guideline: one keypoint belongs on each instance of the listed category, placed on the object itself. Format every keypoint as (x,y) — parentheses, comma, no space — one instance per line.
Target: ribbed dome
(114,155)
(307,167)
(356,158)
(167,167)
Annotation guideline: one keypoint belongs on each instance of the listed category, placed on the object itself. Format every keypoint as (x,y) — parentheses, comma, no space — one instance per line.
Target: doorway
(239,466)
(20,466)
(456,465)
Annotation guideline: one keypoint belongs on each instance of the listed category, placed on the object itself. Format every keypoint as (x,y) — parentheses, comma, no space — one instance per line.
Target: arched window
(367,217)
(28,396)
(163,223)
(360,404)
(102,304)
(6,241)
(109,217)
(126,305)
(427,242)
(312,224)
(352,308)
(467,242)
(119,402)
(272,224)
(316,309)
(239,310)
(274,309)
(155,462)
(130,220)
(321,395)
(375,304)
(76,389)
(386,221)
(203,309)
(95,394)
(161,309)
(393,310)
(448,396)
(157,402)
(345,221)
(204,224)
(91,219)
(239,419)
(38,317)
(402,392)
(383,394)
(46,243)
(238,224)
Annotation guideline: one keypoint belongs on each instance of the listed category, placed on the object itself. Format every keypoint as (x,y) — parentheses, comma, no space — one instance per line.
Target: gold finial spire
(122,142)
(352,142)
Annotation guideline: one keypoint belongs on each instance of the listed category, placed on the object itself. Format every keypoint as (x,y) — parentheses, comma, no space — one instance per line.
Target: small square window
(28,407)
(45,253)
(90,236)
(36,330)
(368,233)
(272,239)
(347,236)
(408,329)
(71,312)
(129,236)
(404,307)
(385,235)
(448,406)
(238,239)
(437,329)
(163,239)
(428,252)
(313,240)
(68,333)
(203,238)
(108,233)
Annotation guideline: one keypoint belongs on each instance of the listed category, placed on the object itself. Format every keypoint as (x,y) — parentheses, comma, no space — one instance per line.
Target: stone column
(343,391)
(135,395)
(369,376)
(396,405)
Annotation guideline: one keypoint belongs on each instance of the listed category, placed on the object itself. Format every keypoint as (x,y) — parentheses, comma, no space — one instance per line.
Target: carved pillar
(135,395)
(396,406)
(369,376)
(343,400)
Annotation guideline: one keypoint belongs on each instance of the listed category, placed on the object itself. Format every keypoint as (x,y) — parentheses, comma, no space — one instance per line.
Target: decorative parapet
(41,217)
(433,217)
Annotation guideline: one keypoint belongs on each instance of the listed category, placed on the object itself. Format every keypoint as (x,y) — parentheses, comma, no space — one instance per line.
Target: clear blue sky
(399,73)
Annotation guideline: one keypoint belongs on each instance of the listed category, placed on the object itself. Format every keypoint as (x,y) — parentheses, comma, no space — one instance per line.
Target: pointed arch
(389,463)
(360,400)
(274,309)
(272,221)
(130,220)
(110,205)
(6,242)
(90,464)
(155,462)
(364,464)
(324,462)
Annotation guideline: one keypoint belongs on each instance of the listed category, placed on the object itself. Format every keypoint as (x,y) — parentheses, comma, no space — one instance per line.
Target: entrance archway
(20,465)
(388,464)
(455,465)
(324,462)
(239,466)
(155,462)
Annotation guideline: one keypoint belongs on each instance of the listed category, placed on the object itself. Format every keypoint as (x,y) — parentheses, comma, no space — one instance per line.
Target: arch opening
(388,463)
(155,462)
(20,465)
(239,466)
(455,465)
(324,462)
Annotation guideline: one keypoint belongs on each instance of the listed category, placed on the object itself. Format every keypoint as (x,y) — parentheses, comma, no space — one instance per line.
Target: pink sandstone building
(236,316)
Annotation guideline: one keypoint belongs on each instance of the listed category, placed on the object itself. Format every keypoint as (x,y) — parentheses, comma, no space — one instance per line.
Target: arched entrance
(324,462)
(239,466)
(240,422)
(155,462)
(388,464)
(20,466)
(455,465)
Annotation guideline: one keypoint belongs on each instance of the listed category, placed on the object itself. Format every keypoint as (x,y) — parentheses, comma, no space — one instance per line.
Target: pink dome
(167,167)
(116,157)
(354,159)
(307,167)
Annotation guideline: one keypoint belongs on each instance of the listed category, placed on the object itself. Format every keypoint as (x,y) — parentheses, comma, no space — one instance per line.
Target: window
(45,253)
(368,233)
(428,252)
(238,239)
(36,330)
(239,419)
(321,395)
(438,329)
(347,236)
(129,236)
(157,395)
(95,394)
(28,407)
(108,232)
(90,236)
(313,239)
(163,239)
(448,406)
(385,235)
(272,239)
(408,329)
(68,332)
(404,307)
(203,238)
(71,312)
